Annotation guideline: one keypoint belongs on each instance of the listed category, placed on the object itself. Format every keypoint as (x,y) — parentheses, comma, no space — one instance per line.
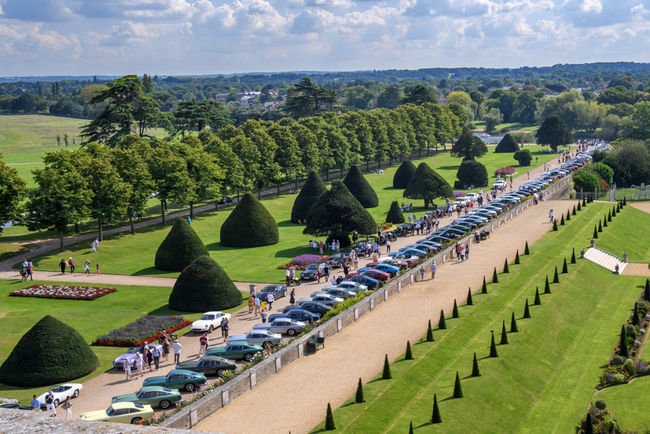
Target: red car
(376,274)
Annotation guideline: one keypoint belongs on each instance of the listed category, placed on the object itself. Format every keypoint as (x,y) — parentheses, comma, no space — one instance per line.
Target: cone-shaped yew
(504,334)
(526,310)
(386,375)
(513,324)
(470,302)
(475,371)
(409,354)
(358,398)
(435,415)
(441,322)
(180,248)
(454,312)
(429,333)
(458,390)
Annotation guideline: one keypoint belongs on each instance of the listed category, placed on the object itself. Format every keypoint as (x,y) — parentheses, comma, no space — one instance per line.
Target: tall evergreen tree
(646,290)
(386,375)
(358,398)
(403,174)
(427,184)
(435,415)
(458,390)
(504,334)
(484,286)
(475,370)
(470,302)
(454,312)
(395,214)
(429,332)
(309,193)
(526,310)
(538,300)
(329,419)
(622,344)
(513,324)
(409,354)
(493,347)
(441,322)
(360,188)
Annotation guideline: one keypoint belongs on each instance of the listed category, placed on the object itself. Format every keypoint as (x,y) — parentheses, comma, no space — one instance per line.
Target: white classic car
(209,321)
(61,392)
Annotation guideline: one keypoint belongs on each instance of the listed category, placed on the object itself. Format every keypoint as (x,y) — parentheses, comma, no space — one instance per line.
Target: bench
(316,342)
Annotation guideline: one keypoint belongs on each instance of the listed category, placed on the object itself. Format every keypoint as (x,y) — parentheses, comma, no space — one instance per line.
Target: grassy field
(90,318)
(627,404)
(544,379)
(628,236)
(126,254)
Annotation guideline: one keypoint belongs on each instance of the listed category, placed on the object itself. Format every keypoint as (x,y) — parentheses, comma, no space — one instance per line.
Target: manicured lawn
(90,318)
(7,250)
(542,381)
(630,234)
(627,402)
(127,254)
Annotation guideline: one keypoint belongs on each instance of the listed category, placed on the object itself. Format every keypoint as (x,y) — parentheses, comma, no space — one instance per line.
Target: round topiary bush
(395,214)
(249,225)
(202,286)
(403,174)
(50,352)
(360,189)
(524,157)
(181,246)
(471,172)
(600,404)
(309,193)
(507,144)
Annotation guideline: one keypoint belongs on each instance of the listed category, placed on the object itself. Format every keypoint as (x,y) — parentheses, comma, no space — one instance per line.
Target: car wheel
(136,420)
(210,329)
(76,393)
(56,403)
(220,373)
(189,387)
(248,357)
(291,332)
(164,404)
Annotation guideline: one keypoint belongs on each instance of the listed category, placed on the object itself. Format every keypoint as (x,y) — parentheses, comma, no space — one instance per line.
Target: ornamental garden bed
(302,261)
(63,291)
(146,328)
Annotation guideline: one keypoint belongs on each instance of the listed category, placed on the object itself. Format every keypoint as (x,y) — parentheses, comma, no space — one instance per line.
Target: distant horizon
(314,72)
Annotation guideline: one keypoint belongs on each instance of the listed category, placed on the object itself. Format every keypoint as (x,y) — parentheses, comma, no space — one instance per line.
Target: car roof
(213,312)
(154,389)
(183,371)
(124,404)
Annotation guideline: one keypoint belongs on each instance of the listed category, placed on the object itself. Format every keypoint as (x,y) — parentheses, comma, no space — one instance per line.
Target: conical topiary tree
(616,209)
(386,375)
(360,188)
(441,322)
(562,220)
(204,285)
(484,286)
(493,347)
(495,278)
(329,419)
(454,312)
(579,206)
(470,302)
(403,174)
(556,277)
(573,256)
(589,425)
(427,184)
(249,225)
(517,257)
(600,226)
(513,324)
(411,427)
(622,343)
(50,352)
(554,225)
(505,267)
(507,145)
(475,371)
(526,249)
(595,232)
(547,286)
(429,332)
(395,214)
(635,314)
(409,354)
(538,300)
(568,215)
(180,248)
(573,211)
(504,334)
(646,290)
(609,216)
(526,310)
(458,390)
(565,268)
(336,214)
(604,222)
(358,398)
(313,188)
(435,414)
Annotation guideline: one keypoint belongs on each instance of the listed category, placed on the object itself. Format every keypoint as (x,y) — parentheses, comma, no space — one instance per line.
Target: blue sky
(85,37)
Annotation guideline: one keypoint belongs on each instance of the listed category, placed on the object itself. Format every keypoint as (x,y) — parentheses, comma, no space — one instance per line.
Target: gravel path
(297,397)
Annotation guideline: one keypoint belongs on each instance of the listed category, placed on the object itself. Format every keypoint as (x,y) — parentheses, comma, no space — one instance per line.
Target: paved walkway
(296,398)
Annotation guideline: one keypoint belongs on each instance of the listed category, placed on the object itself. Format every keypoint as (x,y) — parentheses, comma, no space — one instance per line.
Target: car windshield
(59,389)
(132,350)
(110,411)
(207,317)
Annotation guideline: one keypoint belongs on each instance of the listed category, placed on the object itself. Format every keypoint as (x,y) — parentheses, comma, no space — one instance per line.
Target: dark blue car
(364,280)
(296,314)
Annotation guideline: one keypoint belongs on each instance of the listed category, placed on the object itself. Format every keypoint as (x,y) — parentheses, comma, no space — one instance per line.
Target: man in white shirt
(177,351)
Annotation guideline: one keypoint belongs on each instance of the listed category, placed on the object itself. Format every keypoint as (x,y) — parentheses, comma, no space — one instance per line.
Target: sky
(176,37)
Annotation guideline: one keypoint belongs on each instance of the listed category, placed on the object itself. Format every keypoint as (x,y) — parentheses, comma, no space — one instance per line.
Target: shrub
(600,226)
(386,375)
(435,415)
(203,286)
(427,184)
(565,268)
(458,390)
(395,214)
(526,249)
(454,312)
(600,404)
(538,300)
(249,225)
(360,188)
(504,334)
(470,302)
(524,157)
(616,361)
(506,145)
(556,277)
(562,220)
(586,180)
(573,256)
(493,348)
(554,225)
(595,235)
(547,286)
(629,366)
(309,193)
(441,322)
(475,370)
(471,172)
(329,419)
(526,310)
(505,267)
(495,278)
(513,324)
(517,257)
(429,332)
(484,286)
(359,395)
(181,246)
(408,355)
(50,352)
(403,174)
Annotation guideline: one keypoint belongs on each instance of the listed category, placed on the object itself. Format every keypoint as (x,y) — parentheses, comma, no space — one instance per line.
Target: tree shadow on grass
(449,398)
(447,168)
(294,251)
(287,223)
(151,271)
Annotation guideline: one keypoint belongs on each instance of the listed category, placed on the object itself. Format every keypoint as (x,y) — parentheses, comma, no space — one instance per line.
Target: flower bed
(508,170)
(63,291)
(302,261)
(146,328)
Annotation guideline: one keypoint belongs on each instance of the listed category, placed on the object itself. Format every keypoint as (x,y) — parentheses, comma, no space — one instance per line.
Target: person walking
(177,347)
(225,328)
(251,303)
(62,265)
(49,403)
(30,269)
(222,326)
(87,267)
(35,404)
(67,406)
(422,272)
(270,299)
(292,297)
(149,357)
(287,277)
(203,344)
(467,251)
(550,216)
(257,306)
(387,246)
(155,353)
(166,344)
(461,253)
(263,305)
(434,267)
(71,265)
(97,268)
(263,317)
(139,363)
(127,369)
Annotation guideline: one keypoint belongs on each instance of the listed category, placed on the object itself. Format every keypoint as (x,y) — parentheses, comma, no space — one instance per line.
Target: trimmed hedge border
(221,396)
